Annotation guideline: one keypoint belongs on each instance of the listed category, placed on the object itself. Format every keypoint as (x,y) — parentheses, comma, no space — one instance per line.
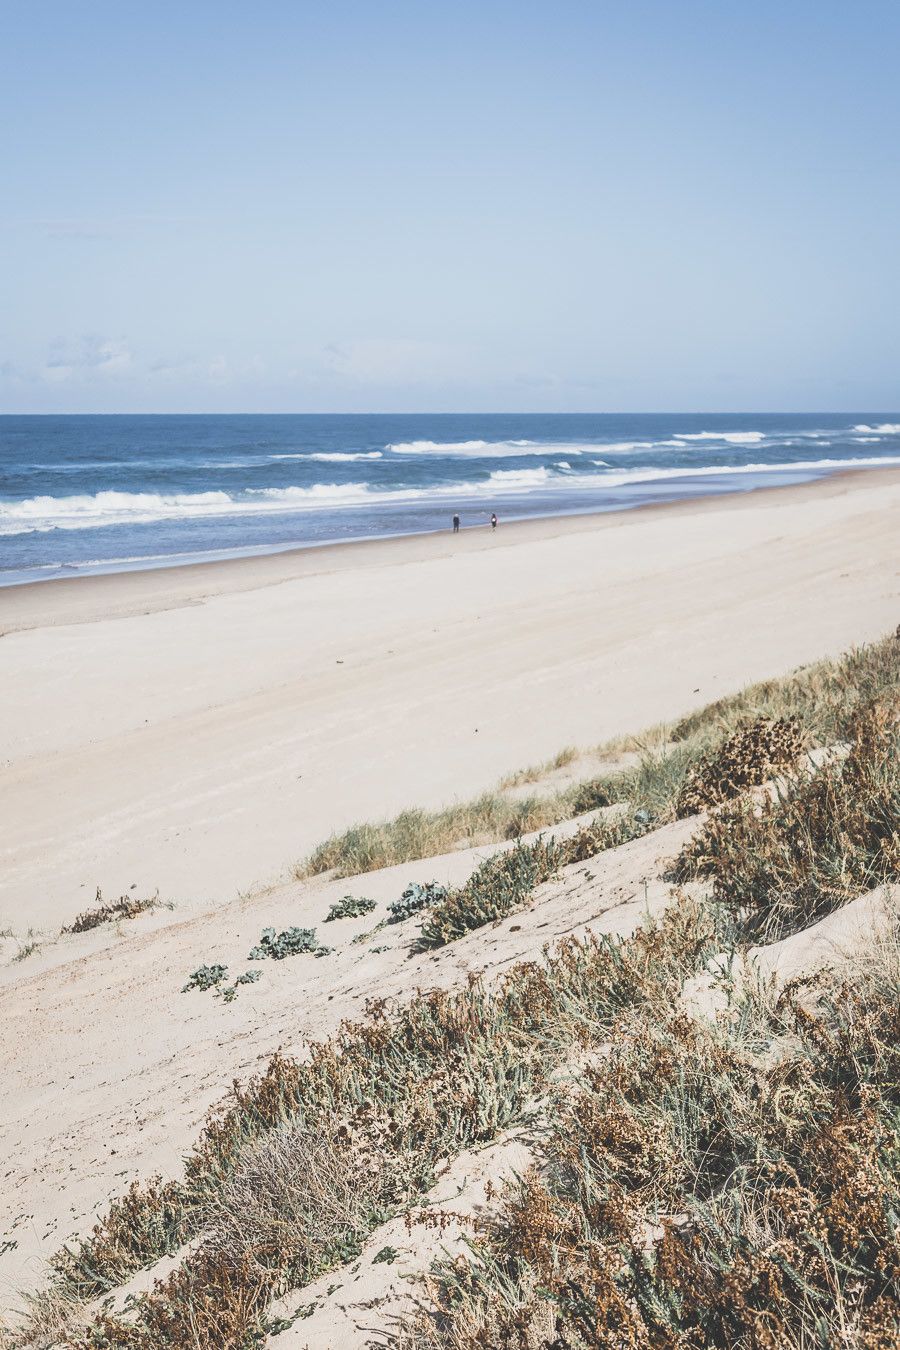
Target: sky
(364,206)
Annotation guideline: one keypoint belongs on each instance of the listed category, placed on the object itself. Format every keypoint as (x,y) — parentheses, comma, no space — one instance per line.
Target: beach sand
(197,730)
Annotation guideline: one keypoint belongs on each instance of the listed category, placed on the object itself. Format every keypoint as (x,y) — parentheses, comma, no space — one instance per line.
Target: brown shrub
(748,757)
(781,865)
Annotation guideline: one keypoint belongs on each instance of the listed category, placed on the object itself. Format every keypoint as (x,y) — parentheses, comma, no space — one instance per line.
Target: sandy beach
(196,731)
(450,679)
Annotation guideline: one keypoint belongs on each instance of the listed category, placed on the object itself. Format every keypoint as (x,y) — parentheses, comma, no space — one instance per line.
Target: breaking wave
(335,456)
(45,513)
(479,449)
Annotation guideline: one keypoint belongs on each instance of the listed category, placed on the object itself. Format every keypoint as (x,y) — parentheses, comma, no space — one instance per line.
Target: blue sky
(345,206)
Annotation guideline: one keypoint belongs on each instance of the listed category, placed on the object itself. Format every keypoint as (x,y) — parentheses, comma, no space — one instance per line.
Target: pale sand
(197,730)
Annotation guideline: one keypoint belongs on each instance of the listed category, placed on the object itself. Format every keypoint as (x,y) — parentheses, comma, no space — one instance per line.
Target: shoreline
(30,604)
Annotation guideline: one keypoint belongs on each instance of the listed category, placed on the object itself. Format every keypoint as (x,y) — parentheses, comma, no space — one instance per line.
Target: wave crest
(731,437)
(477,449)
(334,456)
(45,513)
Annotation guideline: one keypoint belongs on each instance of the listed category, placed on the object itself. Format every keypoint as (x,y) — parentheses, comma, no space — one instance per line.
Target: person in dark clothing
(456,524)
(493,520)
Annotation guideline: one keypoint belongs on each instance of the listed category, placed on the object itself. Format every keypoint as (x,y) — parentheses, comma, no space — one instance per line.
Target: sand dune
(110,1068)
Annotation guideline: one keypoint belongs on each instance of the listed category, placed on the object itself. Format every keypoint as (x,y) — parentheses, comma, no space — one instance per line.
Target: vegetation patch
(753,753)
(126,907)
(380,1106)
(417,834)
(350,907)
(505,881)
(414,899)
(502,883)
(728,1184)
(205,977)
(290,942)
(780,865)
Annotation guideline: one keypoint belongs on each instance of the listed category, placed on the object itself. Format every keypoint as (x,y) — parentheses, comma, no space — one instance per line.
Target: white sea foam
(518,478)
(623,447)
(883,428)
(621,477)
(482,449)
(139,508)
(42,514)
(46,513)
(334,456)
(441,447)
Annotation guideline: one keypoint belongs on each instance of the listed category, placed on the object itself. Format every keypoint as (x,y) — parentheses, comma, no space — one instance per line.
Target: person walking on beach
(493,520)
(456,524)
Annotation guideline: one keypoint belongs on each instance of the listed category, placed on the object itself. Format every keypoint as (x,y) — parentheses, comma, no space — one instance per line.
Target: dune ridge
(501,1055)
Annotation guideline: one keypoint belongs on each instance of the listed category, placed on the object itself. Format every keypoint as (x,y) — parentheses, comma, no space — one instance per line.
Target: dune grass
(819,701)
(536,772)
(506,881)
(415,834)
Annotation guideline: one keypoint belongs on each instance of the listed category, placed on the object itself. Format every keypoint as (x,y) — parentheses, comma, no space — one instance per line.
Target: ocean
(89,494)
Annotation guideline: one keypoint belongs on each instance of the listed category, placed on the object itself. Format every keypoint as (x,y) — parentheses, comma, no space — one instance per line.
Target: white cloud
(386,360)
(89,354)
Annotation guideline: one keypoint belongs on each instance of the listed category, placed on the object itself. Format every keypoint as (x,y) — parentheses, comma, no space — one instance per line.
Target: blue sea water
(87,494)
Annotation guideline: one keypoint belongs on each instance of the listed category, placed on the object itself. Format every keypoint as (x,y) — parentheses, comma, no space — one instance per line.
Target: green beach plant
(229,993)
(206,977)
(414,899)
(290,942)
(350,907)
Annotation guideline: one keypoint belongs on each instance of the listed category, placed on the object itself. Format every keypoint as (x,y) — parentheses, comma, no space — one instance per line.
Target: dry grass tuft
(126,907)
(560,760)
